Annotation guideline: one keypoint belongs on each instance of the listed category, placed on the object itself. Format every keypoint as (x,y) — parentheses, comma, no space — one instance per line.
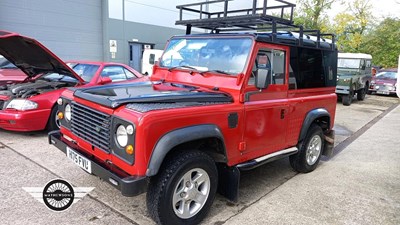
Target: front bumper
(342,90)
(24,120)
(383,89)
(128,185)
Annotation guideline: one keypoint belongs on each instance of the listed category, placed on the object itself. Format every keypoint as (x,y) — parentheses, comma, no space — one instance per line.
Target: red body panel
(24,121)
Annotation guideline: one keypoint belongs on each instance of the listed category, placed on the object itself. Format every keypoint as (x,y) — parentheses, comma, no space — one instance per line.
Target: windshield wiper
(187,67)
(215,71)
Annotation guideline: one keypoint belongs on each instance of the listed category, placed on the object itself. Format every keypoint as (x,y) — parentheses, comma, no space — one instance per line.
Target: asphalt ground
(360,181)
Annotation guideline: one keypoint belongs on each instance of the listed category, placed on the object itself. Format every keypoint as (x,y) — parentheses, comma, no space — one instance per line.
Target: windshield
(5,64)
(228,55)
(349,63)
(58,77)
(386,75)
(85,71)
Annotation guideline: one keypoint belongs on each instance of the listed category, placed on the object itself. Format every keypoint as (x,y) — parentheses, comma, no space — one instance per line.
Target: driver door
(266,109)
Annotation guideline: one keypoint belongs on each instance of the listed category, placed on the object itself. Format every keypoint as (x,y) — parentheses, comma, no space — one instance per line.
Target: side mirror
(262,79)
(105,80)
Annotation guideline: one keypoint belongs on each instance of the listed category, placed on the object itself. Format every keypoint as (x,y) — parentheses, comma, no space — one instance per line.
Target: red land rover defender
(217,104)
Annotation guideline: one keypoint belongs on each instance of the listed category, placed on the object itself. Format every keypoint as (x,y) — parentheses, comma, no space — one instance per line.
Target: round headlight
(130,129)
(122,136)
(67,112)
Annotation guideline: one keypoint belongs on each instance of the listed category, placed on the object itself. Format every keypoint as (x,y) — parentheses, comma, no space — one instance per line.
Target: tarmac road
(360,185)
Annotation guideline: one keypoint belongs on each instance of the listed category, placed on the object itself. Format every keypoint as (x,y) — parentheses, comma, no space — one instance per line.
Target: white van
(150,57)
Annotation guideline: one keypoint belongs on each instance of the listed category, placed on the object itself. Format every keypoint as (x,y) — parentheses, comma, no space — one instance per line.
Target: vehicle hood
(32,57)
(115,95)
(346,73)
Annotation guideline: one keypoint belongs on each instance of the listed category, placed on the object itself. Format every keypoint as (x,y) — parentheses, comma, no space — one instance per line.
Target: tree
(362,11)
(351,25)
(383,43)
(312,13)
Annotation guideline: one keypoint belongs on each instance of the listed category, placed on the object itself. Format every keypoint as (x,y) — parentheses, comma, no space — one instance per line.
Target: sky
(167,14)
(380,8)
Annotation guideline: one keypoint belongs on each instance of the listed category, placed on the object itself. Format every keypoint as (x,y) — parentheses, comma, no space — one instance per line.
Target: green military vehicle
(353,76)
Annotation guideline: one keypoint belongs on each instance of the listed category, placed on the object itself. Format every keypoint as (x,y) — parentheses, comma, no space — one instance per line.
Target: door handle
(282,113)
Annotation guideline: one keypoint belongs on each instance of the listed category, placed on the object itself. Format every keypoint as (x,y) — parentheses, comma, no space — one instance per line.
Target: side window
(152,58)
(129,74)
(312,68)
(362,64)
(115,73)
(272,62)
(368,64)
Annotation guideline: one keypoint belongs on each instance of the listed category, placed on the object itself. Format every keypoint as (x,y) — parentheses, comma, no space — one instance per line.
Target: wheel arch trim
(310,118)
(180,136)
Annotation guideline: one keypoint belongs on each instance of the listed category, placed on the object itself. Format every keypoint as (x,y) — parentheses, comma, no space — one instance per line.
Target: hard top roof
(354,56)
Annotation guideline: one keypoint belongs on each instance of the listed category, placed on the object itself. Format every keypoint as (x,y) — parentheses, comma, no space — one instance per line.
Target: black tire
(299,161)
(163,186)
(52,123)
(361,93)
(347,99)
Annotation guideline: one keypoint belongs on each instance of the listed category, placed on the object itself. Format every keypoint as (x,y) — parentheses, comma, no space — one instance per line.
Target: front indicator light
(129,150)
(60,115)
(59,101)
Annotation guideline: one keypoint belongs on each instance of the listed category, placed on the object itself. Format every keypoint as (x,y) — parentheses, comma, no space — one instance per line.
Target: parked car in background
(31,105)
(353,76)
(384,82)
(150,57)
(9,73)
(102,72)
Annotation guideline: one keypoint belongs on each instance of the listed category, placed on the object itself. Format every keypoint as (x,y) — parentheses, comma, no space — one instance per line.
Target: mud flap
(228,182)
(329,142)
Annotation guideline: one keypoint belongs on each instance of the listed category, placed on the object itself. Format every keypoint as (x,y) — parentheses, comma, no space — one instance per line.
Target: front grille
(91,125)
(1,104)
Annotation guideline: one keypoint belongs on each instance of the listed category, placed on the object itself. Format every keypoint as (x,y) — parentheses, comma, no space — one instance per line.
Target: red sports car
(31,105)
(9,73)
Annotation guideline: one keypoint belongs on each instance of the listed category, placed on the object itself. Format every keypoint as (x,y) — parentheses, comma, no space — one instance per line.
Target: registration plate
(79,160)
(383,92)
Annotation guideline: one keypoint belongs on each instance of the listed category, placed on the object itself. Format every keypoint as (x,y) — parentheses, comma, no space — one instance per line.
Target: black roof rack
(269,17)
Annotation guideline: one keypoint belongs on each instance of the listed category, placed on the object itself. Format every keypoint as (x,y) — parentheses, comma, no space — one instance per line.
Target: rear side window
(129,74)
(115,73)
(312,68)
